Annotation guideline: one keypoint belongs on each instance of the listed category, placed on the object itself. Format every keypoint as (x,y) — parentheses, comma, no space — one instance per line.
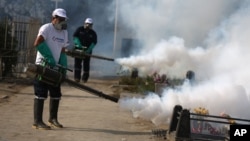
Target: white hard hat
(59,12)
(89,21)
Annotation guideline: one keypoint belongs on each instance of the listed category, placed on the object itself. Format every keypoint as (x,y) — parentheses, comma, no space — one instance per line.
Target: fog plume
(208,37)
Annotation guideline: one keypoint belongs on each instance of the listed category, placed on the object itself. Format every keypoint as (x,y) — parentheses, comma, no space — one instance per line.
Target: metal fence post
(183,128)
(174,120)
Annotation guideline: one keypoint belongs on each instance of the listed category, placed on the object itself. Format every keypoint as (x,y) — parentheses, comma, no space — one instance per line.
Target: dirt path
(85,117)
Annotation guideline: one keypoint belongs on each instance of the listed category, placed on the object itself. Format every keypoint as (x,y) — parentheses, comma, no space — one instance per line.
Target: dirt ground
(85,117)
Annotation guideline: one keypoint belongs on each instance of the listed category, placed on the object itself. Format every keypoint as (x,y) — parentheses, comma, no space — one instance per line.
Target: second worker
(85,38)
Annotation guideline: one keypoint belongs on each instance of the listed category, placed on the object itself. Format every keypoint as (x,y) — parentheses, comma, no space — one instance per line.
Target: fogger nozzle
(81,54)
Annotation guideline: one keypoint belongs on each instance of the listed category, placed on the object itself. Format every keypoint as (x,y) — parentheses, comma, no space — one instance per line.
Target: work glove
(63,62)
(77,43)
(89,50)
(46,53)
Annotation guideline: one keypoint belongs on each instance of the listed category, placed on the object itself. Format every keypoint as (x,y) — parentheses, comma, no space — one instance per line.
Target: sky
(209,37)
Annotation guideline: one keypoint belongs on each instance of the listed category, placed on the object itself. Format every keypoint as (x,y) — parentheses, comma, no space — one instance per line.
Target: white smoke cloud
(171,57)
(192,20)
(219,57)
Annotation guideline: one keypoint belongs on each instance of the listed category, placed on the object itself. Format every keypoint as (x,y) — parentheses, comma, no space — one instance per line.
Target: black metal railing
(192,126)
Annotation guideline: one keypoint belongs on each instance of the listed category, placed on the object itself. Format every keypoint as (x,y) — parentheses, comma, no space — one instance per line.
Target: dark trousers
(78,68)
(41,90)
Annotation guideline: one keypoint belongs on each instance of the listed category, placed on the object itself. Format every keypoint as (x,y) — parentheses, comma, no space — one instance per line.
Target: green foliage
(145,84)
(141,85)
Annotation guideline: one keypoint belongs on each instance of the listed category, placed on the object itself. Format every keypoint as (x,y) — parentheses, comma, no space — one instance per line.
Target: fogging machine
(53,77)
(76,53)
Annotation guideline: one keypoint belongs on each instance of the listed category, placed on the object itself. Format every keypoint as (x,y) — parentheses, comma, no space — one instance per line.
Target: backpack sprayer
(54,77)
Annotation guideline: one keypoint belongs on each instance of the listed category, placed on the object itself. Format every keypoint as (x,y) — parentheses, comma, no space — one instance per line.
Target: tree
(8,55)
